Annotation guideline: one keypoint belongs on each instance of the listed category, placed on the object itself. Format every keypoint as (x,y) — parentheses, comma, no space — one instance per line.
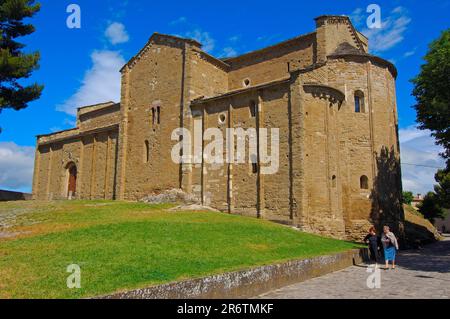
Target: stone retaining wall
(250,282)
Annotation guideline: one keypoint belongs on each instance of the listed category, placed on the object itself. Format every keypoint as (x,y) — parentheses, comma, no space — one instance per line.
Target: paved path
(421,273)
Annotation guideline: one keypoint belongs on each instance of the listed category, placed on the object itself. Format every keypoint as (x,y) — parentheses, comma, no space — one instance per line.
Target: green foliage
(432,92)
(431,208)
(442,189)
(407,197)
(14,63)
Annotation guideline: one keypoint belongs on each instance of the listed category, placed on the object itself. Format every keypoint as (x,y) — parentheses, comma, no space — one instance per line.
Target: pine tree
(14,63)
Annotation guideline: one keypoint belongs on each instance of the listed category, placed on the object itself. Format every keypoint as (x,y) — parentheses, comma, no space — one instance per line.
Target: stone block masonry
(333,103)
(249,282)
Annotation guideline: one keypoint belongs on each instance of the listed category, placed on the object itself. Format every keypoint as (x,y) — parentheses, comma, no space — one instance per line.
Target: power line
(422,165)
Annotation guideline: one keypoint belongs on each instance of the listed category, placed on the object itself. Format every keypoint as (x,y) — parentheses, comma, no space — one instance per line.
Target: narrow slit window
(253,109)
(254,161)
(146,151)
(359,102)
(153,116)
(158,114)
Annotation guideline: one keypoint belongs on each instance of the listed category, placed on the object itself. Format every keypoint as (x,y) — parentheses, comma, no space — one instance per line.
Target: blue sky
(80,66)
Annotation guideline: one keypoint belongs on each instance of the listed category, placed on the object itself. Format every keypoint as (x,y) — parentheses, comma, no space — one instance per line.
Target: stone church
(333,103)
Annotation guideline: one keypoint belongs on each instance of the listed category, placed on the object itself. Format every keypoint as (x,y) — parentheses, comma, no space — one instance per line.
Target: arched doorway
(72,180)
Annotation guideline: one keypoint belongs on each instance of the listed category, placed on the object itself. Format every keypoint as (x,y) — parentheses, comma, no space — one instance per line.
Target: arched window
(359,102)
(364,182)
(253,108)
(146,151)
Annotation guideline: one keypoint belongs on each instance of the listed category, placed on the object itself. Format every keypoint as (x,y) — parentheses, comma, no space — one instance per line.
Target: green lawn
(121,245)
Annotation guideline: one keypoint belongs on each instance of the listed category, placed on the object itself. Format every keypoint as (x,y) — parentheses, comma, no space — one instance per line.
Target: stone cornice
(368,57)
(342,19)
(269,48)
(158,37)
(240,91)
(327,92)
(92,108)
(209,58)
(60,136)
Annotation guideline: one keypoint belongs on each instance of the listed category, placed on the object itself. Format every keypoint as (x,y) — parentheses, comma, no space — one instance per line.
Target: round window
(246,82)
(222,118)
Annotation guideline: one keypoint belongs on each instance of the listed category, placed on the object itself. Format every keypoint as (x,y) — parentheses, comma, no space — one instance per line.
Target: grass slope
(121,246)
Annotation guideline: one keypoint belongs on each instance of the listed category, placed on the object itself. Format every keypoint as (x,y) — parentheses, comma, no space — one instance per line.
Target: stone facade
(333,103)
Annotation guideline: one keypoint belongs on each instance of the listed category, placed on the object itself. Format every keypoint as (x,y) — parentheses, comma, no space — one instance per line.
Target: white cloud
(409,53)
(229,52)
(69,122)
(116,33)
(418,147)
(16,166)
(180,20)
(55,129)
(101,83)
(391,33)
(203,37)
(268,39)
(357,16)
(234,38)
(194,32)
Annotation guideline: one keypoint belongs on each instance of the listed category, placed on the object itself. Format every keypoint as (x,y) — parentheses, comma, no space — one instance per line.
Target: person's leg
(372,255)
(375,253)
(393,264)
(386,261)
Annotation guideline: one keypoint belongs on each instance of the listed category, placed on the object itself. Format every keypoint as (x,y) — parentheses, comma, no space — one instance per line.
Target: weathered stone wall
(215,175)
(250,193)
(155,80)
(247,283)
(102,117)
(323,195)
(207,77)
(331,31)
(95,159)
(347,145)
(305,87)
(274,113)
(99,166)
(267,64)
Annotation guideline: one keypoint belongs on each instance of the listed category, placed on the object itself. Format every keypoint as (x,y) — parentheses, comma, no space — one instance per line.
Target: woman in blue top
(390,246)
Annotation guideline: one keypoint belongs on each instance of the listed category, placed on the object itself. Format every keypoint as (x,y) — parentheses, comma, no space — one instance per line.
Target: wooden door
(72,180)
